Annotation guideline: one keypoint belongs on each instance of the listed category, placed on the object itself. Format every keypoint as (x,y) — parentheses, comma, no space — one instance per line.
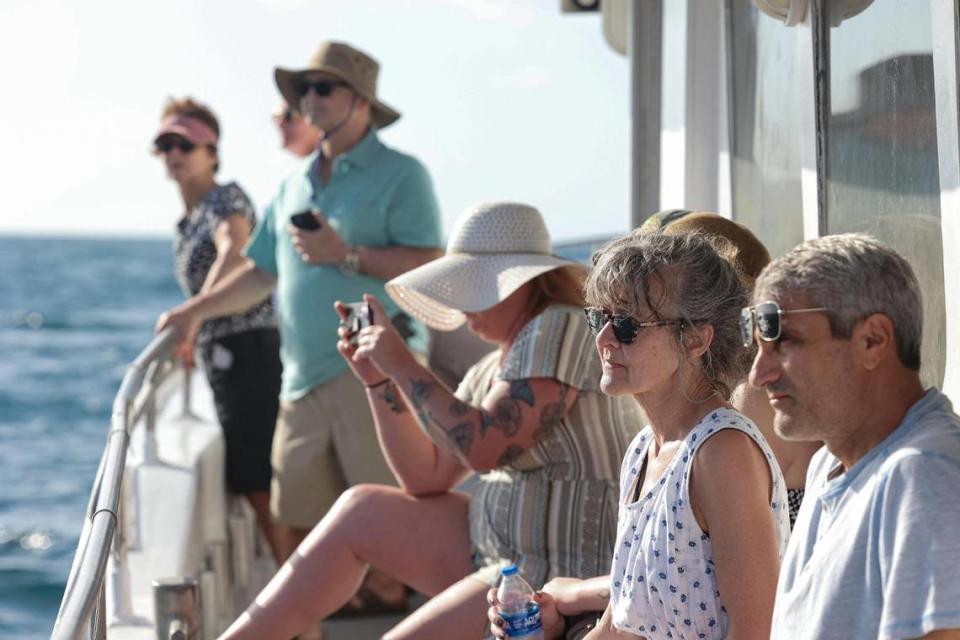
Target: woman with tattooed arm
(529,418)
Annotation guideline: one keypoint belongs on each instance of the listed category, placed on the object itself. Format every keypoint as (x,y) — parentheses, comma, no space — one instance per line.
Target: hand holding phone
(305,220)
(359,315)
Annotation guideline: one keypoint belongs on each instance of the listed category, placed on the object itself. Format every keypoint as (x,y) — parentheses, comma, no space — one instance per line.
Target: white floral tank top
(663,583)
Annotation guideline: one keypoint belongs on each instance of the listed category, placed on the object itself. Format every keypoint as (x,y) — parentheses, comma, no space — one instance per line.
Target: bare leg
(378,589)
(380,584)
(388,589)
(423,542)
(458,612)
(260,501)
(290,539)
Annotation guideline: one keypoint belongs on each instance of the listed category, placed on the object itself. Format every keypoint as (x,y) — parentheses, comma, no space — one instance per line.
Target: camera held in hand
(359,315)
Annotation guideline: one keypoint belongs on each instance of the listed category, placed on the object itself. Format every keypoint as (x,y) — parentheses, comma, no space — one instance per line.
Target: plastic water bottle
(517,608)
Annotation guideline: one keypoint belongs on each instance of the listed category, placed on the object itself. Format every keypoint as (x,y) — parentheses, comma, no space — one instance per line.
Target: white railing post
(83,608)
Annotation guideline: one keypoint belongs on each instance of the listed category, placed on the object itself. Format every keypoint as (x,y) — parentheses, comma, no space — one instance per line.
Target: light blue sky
(502,99)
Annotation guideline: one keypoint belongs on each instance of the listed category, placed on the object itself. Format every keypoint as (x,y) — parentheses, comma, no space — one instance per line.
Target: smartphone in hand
(305,220)
(360,315)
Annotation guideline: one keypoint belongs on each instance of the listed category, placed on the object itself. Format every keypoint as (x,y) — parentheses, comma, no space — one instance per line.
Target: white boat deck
(177,517)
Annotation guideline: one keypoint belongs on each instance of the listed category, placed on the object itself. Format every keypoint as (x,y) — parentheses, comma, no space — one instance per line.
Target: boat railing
(83,612)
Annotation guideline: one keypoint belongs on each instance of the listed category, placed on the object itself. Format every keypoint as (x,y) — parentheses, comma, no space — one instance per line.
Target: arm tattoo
(393,398)
(552,415)
(507,414)
(458,439)
(511,453)
(420,391)
(461,437)
(520,390)
(459,408)
(487,420)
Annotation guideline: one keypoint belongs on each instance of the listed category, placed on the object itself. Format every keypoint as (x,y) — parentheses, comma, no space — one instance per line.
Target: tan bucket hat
(494,248)
(749,254)
(353,66)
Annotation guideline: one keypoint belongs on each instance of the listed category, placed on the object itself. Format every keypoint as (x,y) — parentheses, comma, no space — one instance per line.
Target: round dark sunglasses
(322,88)
(765,320)
(625,328)
(166,145)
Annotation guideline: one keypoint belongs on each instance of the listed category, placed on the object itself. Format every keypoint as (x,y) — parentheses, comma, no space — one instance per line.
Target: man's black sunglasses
(322,88)
(765,319)
(625,328)
(167,144)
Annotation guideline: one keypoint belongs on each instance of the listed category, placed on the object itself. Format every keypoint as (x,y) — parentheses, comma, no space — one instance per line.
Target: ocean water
(73,314)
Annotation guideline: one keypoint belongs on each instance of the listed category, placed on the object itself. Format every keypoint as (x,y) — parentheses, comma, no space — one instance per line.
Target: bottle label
(524,623)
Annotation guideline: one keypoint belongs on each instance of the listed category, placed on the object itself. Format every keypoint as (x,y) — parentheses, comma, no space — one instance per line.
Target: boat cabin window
(765,145)
(882,173)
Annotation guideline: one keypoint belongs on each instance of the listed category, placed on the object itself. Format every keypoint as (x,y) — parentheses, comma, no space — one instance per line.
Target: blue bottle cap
(509,570)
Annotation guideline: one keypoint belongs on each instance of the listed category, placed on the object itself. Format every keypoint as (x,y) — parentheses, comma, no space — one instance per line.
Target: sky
(501,99)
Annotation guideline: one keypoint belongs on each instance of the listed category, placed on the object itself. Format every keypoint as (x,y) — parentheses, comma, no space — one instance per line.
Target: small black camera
(359,315)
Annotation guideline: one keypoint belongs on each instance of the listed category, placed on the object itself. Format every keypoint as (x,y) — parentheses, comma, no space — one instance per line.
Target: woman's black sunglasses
(764,318)
(625,328)
(167,144)
(322,88)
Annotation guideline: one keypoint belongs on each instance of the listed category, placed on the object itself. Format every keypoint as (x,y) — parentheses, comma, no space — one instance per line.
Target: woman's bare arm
(513,416)
(606,631)
(230,237)
(420,466)
(730,491)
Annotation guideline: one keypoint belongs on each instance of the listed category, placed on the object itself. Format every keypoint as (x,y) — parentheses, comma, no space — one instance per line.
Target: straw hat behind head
(493,250)
(353,66)
(750,256)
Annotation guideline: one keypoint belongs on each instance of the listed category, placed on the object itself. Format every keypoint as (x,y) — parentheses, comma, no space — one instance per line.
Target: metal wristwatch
(351,262)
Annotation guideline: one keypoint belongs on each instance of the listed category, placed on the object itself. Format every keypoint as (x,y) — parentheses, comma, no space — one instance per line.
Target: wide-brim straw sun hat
(342,61)
(493,250)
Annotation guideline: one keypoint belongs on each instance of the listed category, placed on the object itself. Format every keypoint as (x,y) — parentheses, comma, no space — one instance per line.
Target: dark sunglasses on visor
(625,328)
(167,144)
(765,319)
(322,88)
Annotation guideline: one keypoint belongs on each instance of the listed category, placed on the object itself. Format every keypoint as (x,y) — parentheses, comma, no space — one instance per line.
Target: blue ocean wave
(73,314)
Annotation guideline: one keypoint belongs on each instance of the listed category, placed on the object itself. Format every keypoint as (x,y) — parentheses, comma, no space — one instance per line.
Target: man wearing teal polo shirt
(377,217)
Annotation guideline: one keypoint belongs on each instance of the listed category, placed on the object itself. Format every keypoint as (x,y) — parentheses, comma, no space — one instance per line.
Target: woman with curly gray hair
(702,514)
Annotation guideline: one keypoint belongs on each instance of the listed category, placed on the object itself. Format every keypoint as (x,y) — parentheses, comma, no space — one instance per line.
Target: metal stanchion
(177,609)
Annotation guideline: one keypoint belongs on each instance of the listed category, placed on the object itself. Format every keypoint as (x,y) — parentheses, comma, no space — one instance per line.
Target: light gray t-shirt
(875,553)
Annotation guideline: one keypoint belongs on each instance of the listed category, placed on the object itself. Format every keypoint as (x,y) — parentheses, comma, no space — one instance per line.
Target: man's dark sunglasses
(167,144)
(765,319)
(322,88)
(625,328)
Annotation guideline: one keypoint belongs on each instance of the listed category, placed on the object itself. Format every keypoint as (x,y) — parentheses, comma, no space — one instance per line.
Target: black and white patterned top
(795,498)
(194,253)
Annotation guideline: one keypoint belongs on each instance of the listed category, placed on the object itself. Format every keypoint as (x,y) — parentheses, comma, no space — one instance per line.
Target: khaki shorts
(325,442)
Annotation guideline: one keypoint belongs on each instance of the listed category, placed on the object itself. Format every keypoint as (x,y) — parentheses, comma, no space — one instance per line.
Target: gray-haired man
(875,552)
